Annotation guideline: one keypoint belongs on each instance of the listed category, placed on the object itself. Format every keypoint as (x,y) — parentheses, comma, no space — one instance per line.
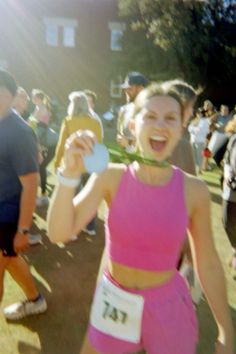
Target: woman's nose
(160,123)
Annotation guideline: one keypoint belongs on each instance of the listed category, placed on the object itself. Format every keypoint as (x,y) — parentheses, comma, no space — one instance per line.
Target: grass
(67,275)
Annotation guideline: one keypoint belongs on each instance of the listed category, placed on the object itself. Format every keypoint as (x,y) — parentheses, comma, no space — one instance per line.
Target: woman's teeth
(158,138)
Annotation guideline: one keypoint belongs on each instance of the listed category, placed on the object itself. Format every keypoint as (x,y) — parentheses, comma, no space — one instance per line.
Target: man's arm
(27,205)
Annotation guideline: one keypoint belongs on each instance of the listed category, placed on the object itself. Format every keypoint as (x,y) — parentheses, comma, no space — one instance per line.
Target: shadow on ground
(66,276)
(25,348)
(216,198)
(213,184)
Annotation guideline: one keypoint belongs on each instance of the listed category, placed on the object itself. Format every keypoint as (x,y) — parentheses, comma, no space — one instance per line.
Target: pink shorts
(169,324)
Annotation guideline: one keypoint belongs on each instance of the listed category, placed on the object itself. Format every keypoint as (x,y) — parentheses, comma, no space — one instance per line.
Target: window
(117,30)
(69,36)
(115,87)
(116,37)
(52,35)
(60,31)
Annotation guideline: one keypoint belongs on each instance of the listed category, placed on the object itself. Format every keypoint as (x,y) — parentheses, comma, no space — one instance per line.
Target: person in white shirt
(134,83)
(198,129)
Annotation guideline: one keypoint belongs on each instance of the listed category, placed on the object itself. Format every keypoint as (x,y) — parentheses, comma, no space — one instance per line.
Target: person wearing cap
(134,83)
(18,188)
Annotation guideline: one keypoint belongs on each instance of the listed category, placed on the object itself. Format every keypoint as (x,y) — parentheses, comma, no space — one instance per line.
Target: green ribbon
(118,154)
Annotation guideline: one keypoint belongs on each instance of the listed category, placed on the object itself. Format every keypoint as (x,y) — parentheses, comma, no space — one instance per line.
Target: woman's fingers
(78,145)
(83,140)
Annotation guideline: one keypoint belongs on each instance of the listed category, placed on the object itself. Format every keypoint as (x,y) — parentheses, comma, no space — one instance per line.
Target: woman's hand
(78,145)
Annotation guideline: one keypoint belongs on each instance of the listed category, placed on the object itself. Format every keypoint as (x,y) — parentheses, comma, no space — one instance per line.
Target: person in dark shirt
(20,105)
(18,188)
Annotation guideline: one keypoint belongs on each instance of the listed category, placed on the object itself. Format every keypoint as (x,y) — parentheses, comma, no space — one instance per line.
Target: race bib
(117,312)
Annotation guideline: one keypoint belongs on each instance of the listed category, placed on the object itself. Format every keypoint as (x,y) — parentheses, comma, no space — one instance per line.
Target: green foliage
(191,39)
(120,155)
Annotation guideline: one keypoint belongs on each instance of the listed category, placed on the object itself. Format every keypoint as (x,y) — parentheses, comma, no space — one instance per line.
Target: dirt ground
(71,273)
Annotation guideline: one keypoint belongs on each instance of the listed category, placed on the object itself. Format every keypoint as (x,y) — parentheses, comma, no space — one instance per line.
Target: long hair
(78,104)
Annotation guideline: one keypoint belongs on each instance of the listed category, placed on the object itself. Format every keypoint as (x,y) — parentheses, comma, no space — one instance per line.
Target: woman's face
(208,106)
(158,127)
(36,100)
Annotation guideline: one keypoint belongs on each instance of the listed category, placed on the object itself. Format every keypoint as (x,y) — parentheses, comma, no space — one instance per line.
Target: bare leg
(3,264)
(20,272)
(204,164)
(87,348)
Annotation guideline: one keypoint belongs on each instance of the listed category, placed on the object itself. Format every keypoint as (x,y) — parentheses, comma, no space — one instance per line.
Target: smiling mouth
(158,143)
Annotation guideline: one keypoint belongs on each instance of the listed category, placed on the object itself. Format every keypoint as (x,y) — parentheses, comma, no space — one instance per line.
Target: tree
(194,40)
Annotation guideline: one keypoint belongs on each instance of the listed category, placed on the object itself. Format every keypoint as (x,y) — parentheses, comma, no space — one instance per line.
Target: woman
(79,117)
(210,113)
(142,302)
(198,129)
(42,111)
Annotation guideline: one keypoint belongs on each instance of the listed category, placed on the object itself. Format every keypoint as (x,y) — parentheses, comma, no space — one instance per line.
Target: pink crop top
(146,225)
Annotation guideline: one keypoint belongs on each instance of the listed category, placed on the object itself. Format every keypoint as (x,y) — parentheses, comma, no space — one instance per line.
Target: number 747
(113,313)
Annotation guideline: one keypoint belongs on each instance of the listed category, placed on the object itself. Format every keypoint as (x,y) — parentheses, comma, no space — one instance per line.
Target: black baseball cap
(8,82)
(134,78)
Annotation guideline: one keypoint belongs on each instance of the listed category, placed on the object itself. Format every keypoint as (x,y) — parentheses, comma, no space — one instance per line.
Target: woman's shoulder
(192,181)
(197,191)
(113,172)
(67,119)
(76,117)
(111,175)
(86,116)
(109,180)
(71,118)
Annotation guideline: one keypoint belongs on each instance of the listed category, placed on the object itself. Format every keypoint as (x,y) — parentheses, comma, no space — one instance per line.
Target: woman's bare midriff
(136,278)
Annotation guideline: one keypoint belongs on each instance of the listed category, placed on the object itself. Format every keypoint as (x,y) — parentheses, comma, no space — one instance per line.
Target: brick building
(60,46)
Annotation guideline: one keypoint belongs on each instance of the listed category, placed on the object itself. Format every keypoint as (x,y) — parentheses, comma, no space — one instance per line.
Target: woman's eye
(150,116)
(170,118)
